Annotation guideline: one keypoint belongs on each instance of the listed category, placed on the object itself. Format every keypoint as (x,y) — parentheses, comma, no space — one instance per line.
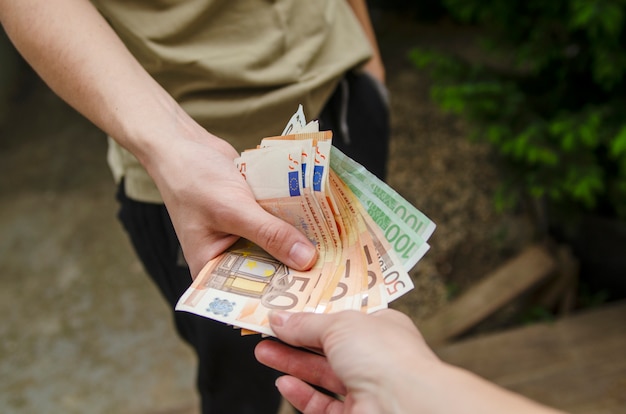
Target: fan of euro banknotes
(368,237)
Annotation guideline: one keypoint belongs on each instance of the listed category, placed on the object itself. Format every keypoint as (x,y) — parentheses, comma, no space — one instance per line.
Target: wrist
(448,388)
(163,137)
(149,124)
(419,386)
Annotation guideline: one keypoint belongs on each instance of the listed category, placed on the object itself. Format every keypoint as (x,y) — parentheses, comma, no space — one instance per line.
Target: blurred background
(83,329)
(509,132)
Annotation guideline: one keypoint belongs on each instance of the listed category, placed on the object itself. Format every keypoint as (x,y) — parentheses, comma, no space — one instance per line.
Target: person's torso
(239,67)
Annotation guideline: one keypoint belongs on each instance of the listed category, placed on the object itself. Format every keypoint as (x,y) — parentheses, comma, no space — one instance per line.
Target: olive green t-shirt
(238,67)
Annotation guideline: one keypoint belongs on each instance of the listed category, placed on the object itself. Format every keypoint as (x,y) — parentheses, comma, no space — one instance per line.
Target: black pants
(358,115)
(230,380)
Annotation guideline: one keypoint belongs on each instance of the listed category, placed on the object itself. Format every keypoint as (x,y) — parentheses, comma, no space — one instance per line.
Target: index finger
(309,367)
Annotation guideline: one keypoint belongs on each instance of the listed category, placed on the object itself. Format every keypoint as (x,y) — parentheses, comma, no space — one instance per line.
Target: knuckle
(272,236)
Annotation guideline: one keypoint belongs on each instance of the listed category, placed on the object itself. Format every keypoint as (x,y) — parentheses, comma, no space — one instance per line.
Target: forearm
(81,58)
(448,389)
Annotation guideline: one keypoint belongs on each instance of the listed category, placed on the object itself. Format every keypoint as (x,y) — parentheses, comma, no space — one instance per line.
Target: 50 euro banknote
(242,285)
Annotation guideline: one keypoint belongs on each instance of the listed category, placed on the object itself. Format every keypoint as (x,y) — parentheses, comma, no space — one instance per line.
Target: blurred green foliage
(550,97)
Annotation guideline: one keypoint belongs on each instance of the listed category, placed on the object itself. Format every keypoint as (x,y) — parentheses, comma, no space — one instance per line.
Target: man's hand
(379,363)
(211,204)
(363,359)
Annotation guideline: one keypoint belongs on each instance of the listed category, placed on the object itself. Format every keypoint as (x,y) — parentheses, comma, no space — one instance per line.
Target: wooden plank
(494,291)
(559,293)
(577,364)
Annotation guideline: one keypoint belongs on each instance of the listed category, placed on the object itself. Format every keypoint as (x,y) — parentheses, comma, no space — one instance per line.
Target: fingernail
(302,254)
(278,318)
(278,381)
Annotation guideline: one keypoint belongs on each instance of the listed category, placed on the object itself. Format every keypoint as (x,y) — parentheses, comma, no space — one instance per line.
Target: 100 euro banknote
(405,227)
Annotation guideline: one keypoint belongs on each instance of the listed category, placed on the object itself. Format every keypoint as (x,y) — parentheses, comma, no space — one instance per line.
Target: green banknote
(405,227)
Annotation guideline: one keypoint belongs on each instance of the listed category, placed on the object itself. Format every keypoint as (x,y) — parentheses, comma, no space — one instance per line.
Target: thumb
(281,240)
(311,330)
(301,329)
